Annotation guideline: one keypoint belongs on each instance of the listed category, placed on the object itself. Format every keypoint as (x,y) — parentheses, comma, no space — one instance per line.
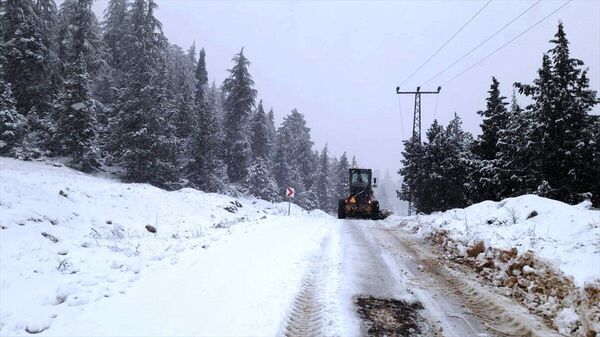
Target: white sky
(339,62)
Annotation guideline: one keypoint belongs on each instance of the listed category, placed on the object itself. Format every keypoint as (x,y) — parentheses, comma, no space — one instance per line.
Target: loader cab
(361,179)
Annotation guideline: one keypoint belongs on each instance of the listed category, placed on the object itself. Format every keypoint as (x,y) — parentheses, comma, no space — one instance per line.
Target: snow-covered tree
(239,101)
(341,177)
(27,60)
(436,173)
(259,137)
(271,132)
(259,181)
(516,172)
(323,184)
(80,34)
(495,119)
(77,119)
(12,123)
(562,100)
(142,137)
(294,161)
(205,169)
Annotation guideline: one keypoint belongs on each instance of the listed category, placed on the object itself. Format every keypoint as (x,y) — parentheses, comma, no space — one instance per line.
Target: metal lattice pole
(416,119)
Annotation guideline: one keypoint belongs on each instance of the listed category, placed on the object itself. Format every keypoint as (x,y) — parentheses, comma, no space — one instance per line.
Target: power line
(483,42)
(507,43)
(448,41)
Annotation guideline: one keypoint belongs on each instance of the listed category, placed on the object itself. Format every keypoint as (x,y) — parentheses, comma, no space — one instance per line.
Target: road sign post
(289,193)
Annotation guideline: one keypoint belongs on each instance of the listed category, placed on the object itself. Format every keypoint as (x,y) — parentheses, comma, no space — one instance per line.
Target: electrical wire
(507,43)
(448,41)
(483,42)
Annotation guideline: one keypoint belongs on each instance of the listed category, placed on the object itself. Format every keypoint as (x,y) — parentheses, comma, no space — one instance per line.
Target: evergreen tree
(294,160)
(116,25)
(495,120)
(77,121)
(259,181)
(562,101)
(436,173)
(341,177)
(259,137)
(201,76)
(516,172)
(12,123)
(354,162)
(239,101)
(80,34)
(26,61)
(271,132)
(206,170)
(114,38)
(143,138)
(322,184)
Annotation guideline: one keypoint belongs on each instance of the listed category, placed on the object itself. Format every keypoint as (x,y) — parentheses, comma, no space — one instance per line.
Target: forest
(550,147)
(114,95)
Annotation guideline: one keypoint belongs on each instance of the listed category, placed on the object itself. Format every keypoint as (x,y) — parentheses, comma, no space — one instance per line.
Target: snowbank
(78,252)
(543,252)
(565,235)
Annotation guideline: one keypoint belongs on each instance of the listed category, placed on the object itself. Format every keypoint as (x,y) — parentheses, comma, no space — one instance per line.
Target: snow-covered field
(559,281)
(76,257)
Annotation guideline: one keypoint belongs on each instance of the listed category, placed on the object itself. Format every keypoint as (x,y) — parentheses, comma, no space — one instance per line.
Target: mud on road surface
(389,317)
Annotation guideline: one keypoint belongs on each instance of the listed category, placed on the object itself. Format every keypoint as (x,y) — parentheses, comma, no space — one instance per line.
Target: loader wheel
(341,209)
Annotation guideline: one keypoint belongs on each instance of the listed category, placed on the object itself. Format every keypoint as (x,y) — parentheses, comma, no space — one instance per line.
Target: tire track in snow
(306,316)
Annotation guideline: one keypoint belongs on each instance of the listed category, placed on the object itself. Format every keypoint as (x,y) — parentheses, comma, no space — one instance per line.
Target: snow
(568,236)
(206,271)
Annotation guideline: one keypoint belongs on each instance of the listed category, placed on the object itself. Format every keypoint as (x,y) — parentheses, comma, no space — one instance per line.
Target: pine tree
(80,34)
(239,101)
(495,120)
(27,57)
(114,38)
(259,137)
(77,121)
(562,101)
(516,172)
(271,132)
(12,123)
(323,183)
(341,177)
(142,137)
(411,170)
(206,170)
(116,24)
(354,162)
(259,181)
(201,76)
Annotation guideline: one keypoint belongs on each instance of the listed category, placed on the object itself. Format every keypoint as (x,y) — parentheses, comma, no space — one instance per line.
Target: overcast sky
(339,62)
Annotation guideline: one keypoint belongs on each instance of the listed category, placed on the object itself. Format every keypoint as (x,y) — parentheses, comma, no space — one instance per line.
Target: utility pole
(416,133)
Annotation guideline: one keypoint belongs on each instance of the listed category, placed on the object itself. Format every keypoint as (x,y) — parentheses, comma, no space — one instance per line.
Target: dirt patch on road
(389,317)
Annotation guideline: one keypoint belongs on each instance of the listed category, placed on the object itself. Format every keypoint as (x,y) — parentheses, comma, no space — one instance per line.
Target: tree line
(117,93)
(550,147)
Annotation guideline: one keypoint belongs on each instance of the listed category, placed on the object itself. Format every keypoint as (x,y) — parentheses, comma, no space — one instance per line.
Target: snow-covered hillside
(560,277)
(70,241)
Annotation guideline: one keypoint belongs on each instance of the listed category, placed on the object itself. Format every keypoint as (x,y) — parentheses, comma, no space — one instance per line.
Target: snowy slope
(76,258)
(568,236)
